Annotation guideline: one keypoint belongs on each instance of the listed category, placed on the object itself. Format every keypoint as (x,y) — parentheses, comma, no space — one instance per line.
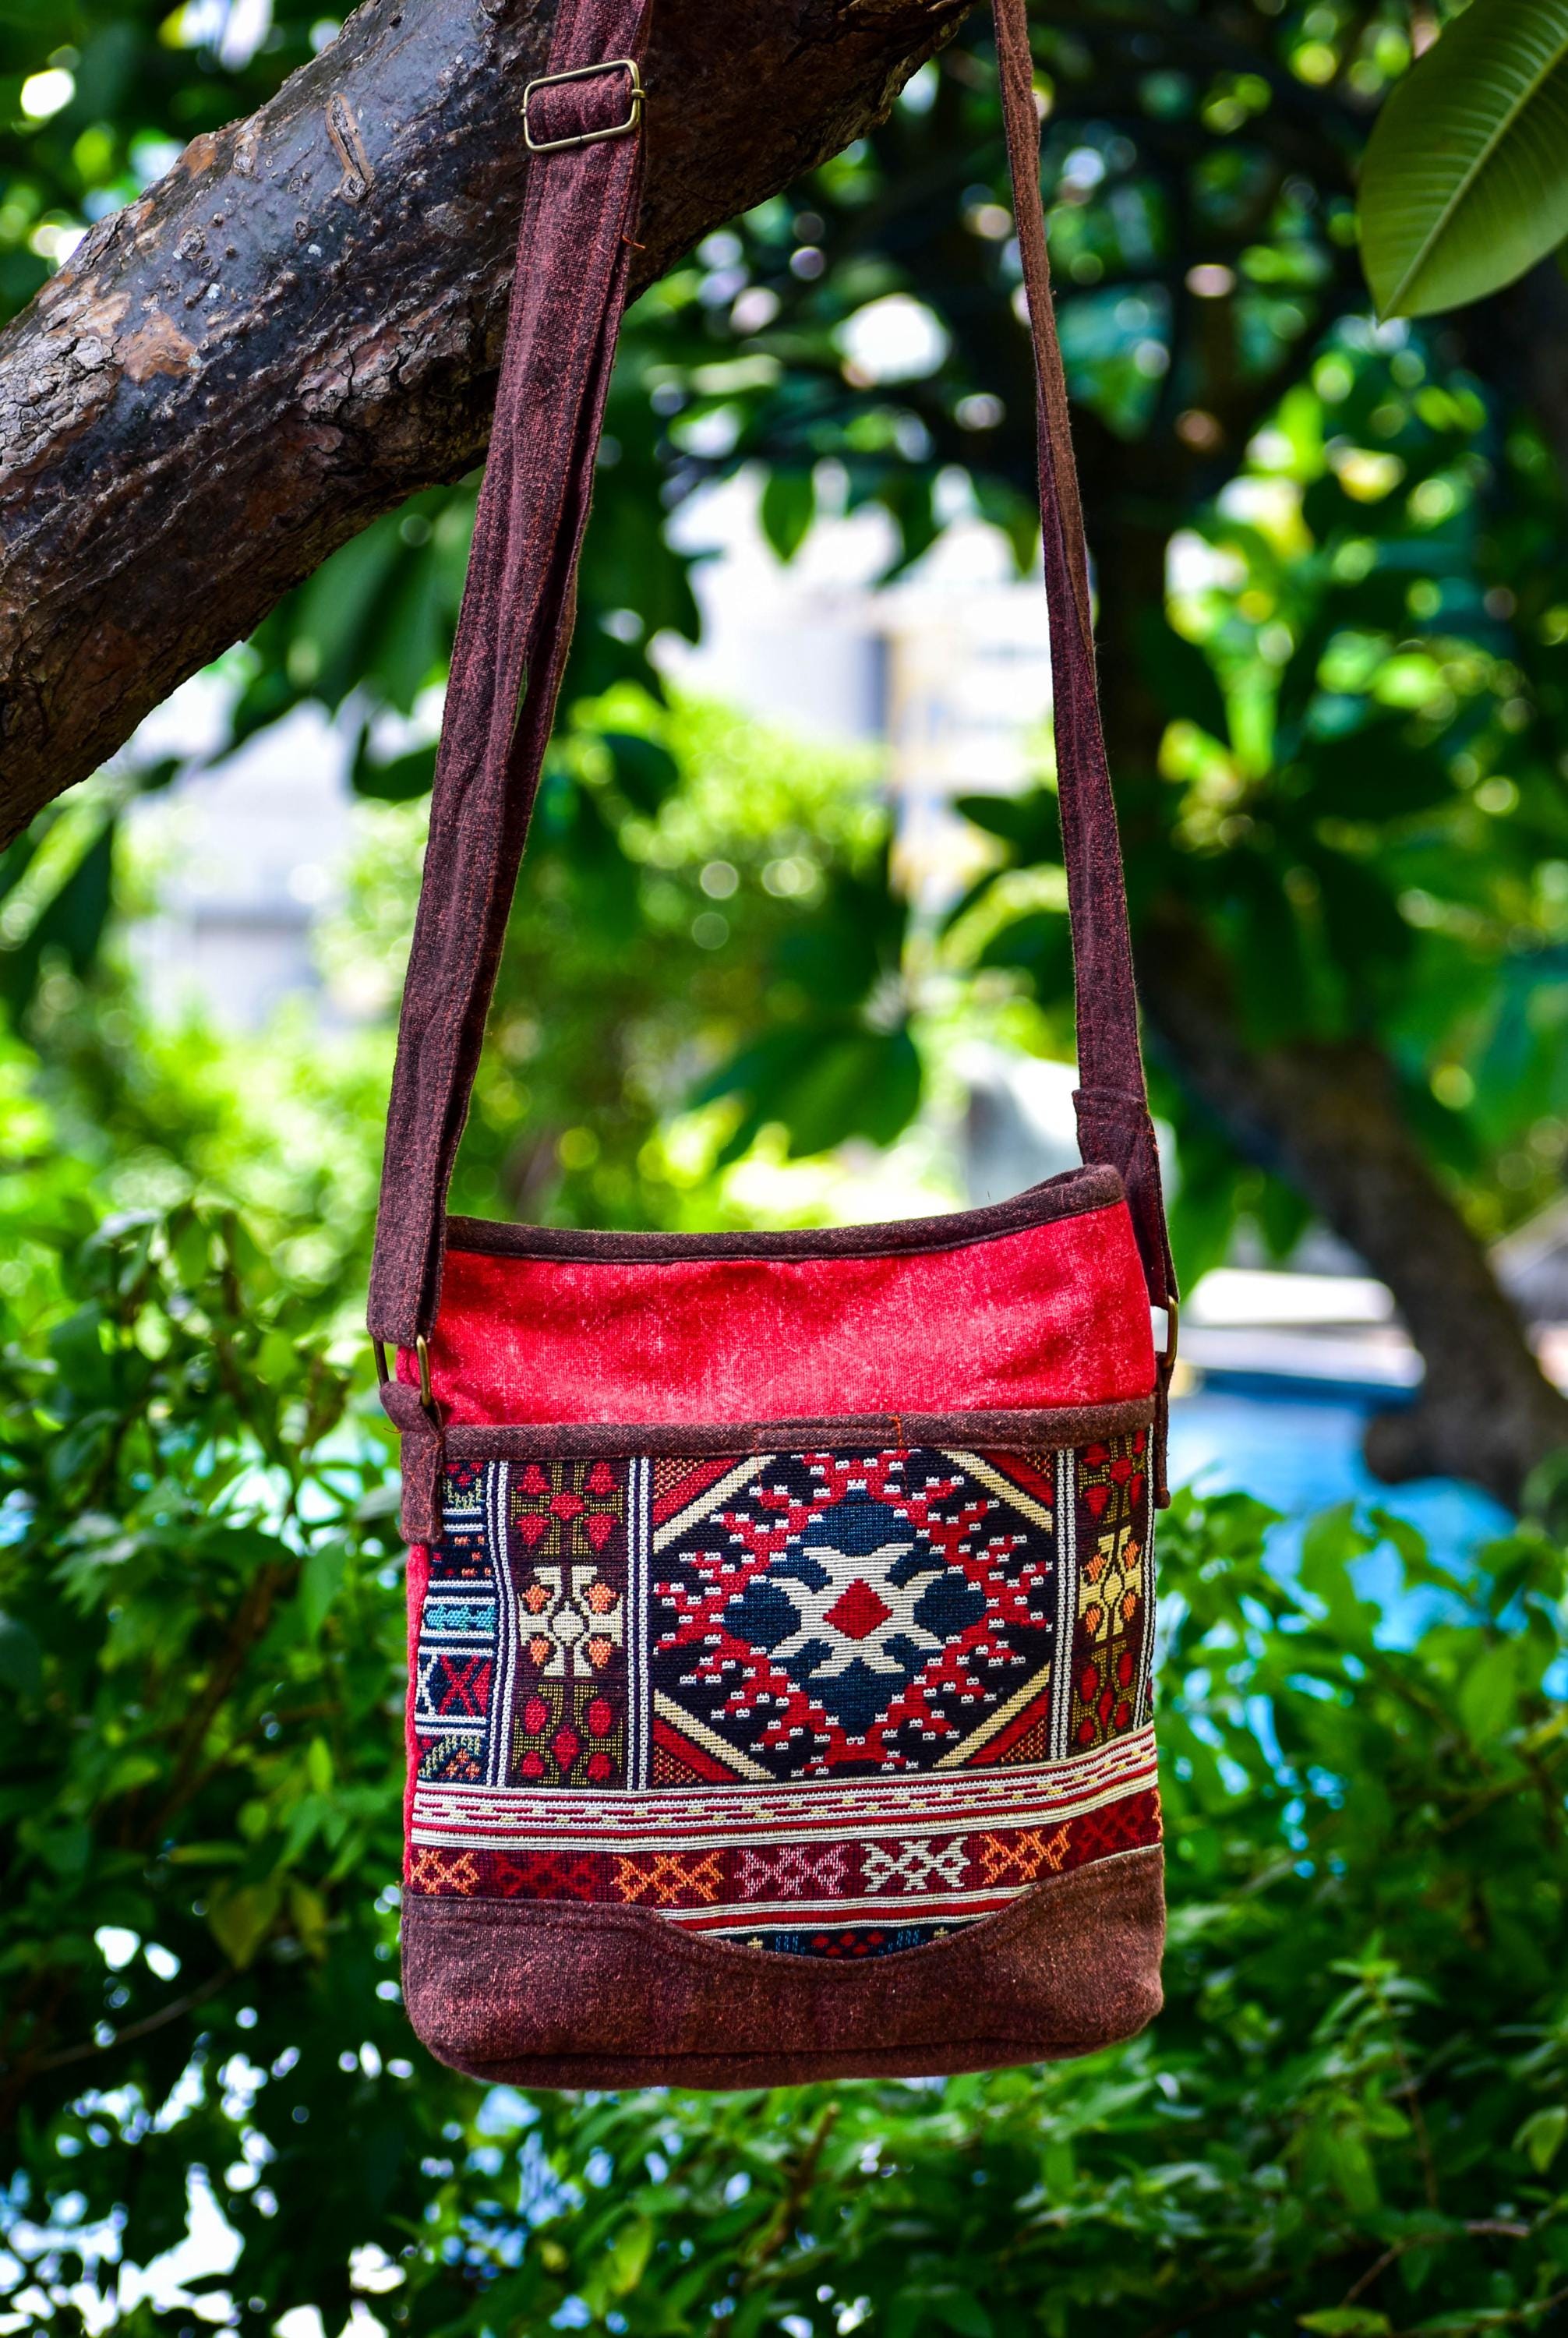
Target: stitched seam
(1056,2045)
(1004,1432)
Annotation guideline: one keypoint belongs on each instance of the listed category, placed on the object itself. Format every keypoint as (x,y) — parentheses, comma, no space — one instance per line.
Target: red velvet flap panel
(655,1329)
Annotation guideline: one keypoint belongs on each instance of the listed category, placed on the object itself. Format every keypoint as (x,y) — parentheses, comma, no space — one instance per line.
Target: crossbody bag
(780,1605)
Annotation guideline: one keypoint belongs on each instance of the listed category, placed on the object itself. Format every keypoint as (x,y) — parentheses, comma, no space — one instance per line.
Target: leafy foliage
(97,97)
(1359,786)
(691,878)
(1350,2115)
(199,1652)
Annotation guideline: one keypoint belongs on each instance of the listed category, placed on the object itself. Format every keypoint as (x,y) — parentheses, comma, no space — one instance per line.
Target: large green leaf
(1464,183)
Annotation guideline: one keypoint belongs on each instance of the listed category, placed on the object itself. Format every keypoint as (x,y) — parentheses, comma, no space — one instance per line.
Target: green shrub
(1350,2115)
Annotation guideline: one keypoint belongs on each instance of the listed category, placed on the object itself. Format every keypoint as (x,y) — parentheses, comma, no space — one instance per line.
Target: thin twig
(802,2178)
(172,2011)
(1480,2228)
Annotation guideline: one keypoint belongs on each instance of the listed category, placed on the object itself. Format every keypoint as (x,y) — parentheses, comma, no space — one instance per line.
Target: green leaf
(1331,1544)
(1030,823)
(1346,2321)
(1040,945)
(241,1918)
(962,2311)
(399,781)
(788,507)
(1541,2137)
(646,772)
(319,1580)
(308,1911)
(1488,1694)
(21,1658)
(865,1084)
(1377,771)
(1355,2180)
(1464,183)
(1203,1207)
(277,1359)
(76,1346)
(1181,676)
(629,2254)
(72,923)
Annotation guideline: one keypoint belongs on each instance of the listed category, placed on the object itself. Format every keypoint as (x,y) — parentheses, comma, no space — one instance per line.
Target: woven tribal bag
(780,1606)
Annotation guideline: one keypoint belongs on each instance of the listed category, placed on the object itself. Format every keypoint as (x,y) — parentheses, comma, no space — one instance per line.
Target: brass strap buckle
(422,1349)
(635,95)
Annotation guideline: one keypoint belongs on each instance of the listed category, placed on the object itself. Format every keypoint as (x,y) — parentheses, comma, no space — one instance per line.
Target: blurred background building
(949,668)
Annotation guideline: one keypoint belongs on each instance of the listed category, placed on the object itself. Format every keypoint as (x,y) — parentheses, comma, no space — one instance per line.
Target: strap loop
(635,96)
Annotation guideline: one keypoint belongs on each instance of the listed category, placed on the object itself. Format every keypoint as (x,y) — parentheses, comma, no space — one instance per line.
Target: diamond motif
(847,1611)
(859,1610)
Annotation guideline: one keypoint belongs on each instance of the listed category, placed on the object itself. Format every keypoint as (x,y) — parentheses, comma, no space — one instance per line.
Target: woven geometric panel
(832,1704)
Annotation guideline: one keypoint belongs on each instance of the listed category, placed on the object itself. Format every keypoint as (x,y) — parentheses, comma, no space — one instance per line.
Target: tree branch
(299,326)
(1327,1115)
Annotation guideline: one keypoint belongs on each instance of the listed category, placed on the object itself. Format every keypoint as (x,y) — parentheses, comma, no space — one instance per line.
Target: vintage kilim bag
(780,1606)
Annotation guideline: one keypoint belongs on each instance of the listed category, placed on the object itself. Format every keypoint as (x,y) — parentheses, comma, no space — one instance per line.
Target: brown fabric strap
(1112,1104)
(573,255)
(579,213)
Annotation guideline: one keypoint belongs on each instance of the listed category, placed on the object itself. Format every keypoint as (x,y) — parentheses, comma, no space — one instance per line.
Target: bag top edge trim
(1026,1429)
(1074,1193)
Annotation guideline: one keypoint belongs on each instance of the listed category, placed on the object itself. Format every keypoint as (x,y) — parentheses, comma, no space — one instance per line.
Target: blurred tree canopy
(1331,582)
(1333,618)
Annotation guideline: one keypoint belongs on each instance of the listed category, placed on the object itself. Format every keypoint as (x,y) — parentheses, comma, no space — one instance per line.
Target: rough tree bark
(299,326)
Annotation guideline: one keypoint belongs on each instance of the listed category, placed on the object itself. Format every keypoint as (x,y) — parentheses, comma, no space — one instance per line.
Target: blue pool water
(1301,1453)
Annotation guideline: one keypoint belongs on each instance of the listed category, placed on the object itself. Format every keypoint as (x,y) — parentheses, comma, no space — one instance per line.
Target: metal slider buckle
(635,96)
(421,1349)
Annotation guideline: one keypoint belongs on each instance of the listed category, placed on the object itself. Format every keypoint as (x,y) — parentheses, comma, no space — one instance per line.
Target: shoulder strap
(579,214)
(573,253)
(1113,1103)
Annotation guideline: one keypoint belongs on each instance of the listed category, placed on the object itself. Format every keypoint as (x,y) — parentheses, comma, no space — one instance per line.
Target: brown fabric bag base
(542,1994)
